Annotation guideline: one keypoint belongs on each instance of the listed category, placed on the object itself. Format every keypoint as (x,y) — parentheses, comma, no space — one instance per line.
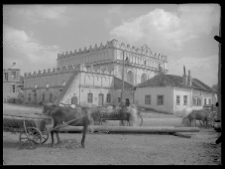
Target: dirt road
(112,149)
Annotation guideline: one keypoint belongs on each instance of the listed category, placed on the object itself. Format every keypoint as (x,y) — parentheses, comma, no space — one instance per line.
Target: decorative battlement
(71,68)
(143,50)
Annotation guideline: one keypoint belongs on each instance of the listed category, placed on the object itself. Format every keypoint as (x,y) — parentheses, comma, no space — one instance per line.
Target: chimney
(189,78)
(184,77)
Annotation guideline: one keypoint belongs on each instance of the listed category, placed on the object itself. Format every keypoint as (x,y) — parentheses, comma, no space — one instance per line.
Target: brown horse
(83,116)
(201,115)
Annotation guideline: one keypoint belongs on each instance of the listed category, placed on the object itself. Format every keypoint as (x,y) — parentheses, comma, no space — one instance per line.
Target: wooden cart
(32,130)
(124,117)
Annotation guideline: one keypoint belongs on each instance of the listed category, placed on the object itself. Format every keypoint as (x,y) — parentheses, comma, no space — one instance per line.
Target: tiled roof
(118,84)
(163,80)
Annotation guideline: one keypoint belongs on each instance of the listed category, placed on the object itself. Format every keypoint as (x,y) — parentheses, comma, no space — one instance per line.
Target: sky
(33,35)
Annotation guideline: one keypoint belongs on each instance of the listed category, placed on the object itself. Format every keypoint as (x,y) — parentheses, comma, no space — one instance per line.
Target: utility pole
(122,79)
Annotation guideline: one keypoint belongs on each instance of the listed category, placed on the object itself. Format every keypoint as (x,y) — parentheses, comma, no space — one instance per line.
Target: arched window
(90,98)
(143,77)
(108,98)
(29,97)
(35,97)
(130,77)
(43,97)
(50,97)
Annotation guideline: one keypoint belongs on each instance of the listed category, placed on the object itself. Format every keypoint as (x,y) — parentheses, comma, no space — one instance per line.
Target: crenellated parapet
(143,50)
(70,68)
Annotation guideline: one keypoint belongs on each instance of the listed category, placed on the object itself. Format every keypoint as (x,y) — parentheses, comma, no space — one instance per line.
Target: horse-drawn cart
(105,114)
(32,130)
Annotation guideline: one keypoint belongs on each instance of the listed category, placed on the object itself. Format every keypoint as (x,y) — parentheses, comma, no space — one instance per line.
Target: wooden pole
(132,129)
(122,80)
(219,79)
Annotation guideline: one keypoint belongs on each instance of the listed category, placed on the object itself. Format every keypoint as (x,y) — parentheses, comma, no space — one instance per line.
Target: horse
(59,114)
(132,109)
(201,115)
(48,107)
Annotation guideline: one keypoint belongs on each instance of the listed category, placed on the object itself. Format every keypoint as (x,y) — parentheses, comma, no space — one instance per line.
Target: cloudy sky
(33,35)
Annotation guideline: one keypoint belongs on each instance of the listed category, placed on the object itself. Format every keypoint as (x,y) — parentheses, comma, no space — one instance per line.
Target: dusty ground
(112,149)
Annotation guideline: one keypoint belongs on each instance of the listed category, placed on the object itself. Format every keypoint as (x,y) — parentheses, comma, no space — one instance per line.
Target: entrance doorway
(100,99)
(74,100)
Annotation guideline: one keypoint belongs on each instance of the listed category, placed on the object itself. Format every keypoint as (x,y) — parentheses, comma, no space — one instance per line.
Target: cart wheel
(139,120)
(33,137)
(45,135)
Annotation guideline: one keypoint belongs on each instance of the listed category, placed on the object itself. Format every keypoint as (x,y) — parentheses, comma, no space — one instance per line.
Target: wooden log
(132,129)
(180,135)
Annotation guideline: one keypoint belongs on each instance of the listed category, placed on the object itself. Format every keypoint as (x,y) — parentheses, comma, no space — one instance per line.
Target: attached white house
(172,93)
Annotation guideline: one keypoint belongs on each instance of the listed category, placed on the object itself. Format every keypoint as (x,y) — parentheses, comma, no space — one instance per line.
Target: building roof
(163,80)
(118,83)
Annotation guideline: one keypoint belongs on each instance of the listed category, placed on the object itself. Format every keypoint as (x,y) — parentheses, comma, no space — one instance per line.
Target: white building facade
(173,94)
(100,66)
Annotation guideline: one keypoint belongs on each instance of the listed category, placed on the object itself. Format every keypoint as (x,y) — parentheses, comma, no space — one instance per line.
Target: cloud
(203,68)
(25,50)
(169,29)
(42,13)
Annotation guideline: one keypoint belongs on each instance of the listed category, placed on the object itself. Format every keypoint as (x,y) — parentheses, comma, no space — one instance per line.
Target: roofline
(191,88)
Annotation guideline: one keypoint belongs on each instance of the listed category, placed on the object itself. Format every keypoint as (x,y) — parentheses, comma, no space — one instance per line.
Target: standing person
(127,102)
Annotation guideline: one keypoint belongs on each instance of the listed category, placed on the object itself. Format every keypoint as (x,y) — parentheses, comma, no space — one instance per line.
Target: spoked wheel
(33,137)
(45,135)
(139,120)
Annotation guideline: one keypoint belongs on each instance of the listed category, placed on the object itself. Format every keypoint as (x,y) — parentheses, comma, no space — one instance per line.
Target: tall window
(13,75)
(108,98)
(13,88)
(43,97)
(205,102)
(35,97)
(210,101)
(185,100)
(194,101)
(50,97)
(6,76)
(160,100)
(90,97)
(178,100)
(147,99)
(119,99)
(199,102)
(29,97)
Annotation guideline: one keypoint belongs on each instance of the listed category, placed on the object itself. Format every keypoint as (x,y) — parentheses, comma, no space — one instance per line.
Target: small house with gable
(172,93)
